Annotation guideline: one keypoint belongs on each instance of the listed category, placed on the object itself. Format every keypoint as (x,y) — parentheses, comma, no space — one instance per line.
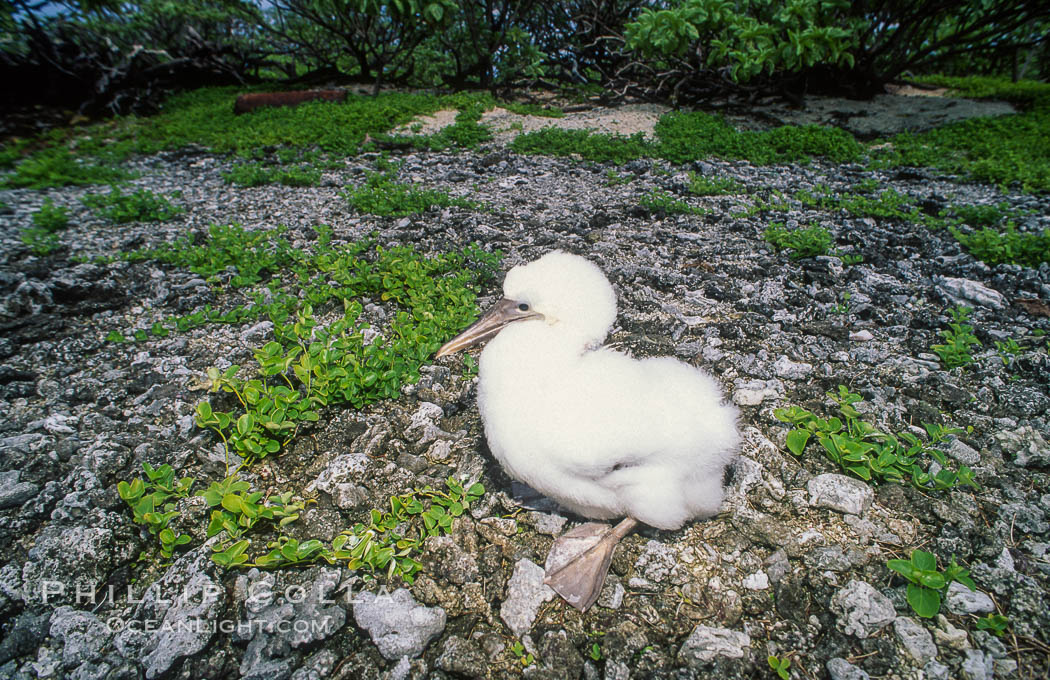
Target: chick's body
(604,434)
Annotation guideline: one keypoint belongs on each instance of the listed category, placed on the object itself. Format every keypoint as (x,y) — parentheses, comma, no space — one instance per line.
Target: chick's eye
(523,307)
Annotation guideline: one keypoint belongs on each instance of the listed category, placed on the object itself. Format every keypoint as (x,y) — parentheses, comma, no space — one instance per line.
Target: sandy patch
(624,120)
(912,91)
(505,125)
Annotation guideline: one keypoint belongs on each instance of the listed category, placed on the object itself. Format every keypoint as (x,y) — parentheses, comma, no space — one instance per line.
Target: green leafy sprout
(780,666)
(526,659)
(959,340)
(926,584)
(996,624)
(152,502)
(309,366)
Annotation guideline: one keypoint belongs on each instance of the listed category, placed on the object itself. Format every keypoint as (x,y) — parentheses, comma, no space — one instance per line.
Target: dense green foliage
(679,49)
(746,38)
(1003,150)
(1010,247)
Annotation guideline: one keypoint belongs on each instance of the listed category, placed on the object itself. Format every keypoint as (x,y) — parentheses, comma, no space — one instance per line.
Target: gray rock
(462,656)
(31,297)
(705,643)
(49,573)
(827,558)
(317,667)
(82,635)
(861,610)
(862,335)
(790,370)
(339,480)
(612,592)
(754,392)
(977,666)
(757,581)
(526,592)
(22,634)
(424,420)
(917,641)
(962,452)
(398,625)
(280,620)
(962,600)
(963,291)
(558,655)
(840,669)
(445,558)
(1026,445)
(840,493)
(14,493)
(936,671)
(949,636)
(176,616)
(777,566)
(656,561)
(546,523)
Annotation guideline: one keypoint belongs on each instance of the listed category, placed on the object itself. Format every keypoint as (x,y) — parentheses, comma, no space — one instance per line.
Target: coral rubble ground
(794,567)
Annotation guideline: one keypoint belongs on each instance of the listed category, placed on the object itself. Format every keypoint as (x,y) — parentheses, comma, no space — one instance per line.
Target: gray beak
(491,322)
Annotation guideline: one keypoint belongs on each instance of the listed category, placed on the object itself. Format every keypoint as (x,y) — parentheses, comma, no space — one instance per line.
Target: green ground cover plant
(864,451)
(590,146)
(957,349)
(1012,150)
(42,237)
(58,167)
(1023,92)
(996,624)
(888,204)
(657,201)
(684,137)
(927,585)
(152,501)
(801,242)
(309,366)
(140,206)
(713,186)
(254,255)
(256,174)
(383,195)
(1028,249)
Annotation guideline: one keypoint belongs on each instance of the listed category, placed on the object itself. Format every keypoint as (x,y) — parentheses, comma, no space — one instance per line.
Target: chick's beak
(504,312)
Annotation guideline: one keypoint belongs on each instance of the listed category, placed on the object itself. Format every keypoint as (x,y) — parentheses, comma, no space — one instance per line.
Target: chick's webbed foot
(579,560)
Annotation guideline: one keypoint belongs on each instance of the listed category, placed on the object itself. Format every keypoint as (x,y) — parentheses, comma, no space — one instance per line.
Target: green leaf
(924,560)
(924,601)
(797,440)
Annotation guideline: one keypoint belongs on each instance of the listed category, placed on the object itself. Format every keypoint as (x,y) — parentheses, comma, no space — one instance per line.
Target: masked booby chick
(603,434)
